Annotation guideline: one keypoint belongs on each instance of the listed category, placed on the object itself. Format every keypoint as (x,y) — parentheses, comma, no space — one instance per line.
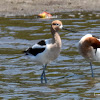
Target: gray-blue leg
(43,74)
(45,78)
(42,77)
(91,69)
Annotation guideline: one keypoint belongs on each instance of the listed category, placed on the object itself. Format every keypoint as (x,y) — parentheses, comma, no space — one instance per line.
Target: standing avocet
(48,50)
(89,48)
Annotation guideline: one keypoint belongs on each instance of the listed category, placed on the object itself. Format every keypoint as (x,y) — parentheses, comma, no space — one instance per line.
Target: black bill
(69,30)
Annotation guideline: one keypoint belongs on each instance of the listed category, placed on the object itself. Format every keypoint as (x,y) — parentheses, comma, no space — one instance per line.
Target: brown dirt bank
(32,7)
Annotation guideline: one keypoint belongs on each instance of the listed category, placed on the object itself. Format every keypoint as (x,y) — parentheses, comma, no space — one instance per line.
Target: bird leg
(42,77)
(91,69)
(43,74)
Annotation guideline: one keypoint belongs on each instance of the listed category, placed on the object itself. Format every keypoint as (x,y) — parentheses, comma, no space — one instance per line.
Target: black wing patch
(42,42)
(34,51)
(96,36)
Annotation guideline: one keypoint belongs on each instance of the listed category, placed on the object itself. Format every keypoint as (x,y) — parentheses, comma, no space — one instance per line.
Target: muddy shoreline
(33,7)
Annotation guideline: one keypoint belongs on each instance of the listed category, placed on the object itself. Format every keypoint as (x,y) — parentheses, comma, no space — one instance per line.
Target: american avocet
(48,50)
(89,48)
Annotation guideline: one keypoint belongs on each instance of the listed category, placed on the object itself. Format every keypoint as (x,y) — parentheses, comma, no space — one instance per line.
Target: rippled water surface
(69,76)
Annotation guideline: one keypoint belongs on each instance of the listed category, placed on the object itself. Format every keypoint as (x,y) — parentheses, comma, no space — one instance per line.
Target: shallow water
(69,77)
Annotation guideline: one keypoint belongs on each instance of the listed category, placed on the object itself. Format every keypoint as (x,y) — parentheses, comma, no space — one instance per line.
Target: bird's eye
(57,24)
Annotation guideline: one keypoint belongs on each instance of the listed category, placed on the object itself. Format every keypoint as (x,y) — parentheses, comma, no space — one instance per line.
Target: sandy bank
(32,7)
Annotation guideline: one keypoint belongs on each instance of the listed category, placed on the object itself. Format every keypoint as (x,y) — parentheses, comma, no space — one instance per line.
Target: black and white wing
(37,48)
